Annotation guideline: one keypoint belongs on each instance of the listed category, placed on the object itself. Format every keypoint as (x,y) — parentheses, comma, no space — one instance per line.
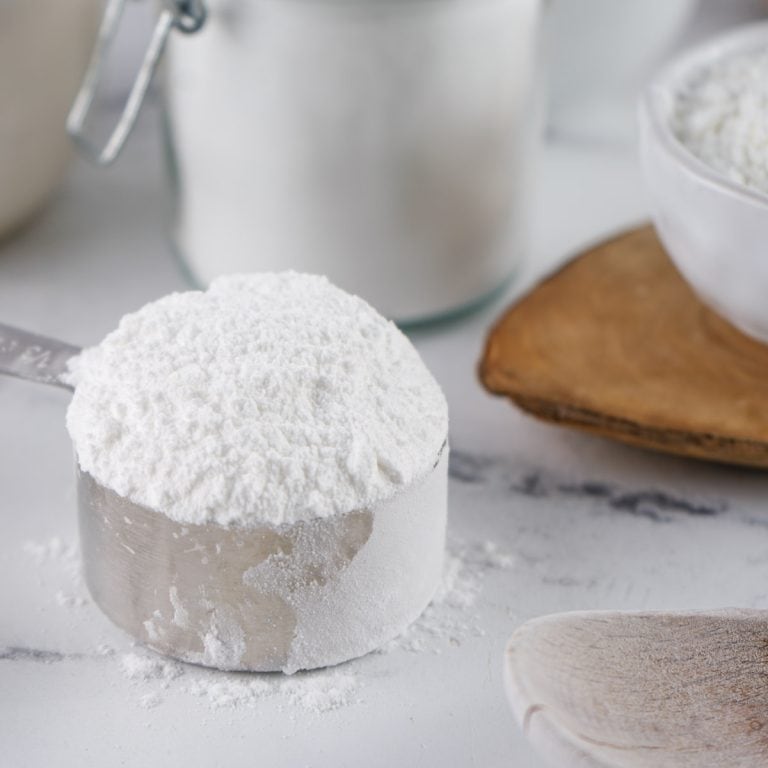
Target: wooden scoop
(617,343)
(643,690)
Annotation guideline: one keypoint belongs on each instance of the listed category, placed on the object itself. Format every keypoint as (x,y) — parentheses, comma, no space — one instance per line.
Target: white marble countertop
(578,522)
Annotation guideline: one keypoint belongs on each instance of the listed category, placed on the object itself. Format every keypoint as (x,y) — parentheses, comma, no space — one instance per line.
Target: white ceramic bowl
(44,48)
(715,230)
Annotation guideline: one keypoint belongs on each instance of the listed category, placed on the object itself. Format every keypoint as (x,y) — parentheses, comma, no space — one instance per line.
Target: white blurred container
(599,54)
(385,143)
(44,48)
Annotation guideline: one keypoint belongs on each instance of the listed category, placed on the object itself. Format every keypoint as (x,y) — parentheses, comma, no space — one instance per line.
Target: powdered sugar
(447,619)
(138,666)
(722,117)
(228,692)
(316,692)
(322,692)
(65,557)
(151,700)
(269,398)
(53,550)
(310,692)
(68,600)
(223,642)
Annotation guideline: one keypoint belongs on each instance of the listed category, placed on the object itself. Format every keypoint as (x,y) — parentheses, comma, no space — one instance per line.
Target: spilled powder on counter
(64,556)
(322,692)
(54,550)
(314,692)
(151,700)
(67,600)
(138,666)
(223,691)
(446,618)
(149,669)
(269,398)
(309,692)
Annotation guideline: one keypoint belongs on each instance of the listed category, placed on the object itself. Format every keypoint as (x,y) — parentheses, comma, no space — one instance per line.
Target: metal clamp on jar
(383,143)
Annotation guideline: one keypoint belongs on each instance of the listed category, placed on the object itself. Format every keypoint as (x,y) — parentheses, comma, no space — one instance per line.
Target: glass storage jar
(384,143)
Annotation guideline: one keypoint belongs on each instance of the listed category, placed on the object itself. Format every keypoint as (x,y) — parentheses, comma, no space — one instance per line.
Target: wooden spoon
(616,343)
(643,690)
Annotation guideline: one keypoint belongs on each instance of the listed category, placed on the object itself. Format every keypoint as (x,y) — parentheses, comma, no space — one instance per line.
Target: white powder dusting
(315,692)
(54,550)
(311,692)
(722,117)
(68,600)
(486,556)
(151,700)
(269,398)
(64,556)
(152,628)
(180,613)
(139,666)
(448,619)
(224,642)
(225,692)
(322,692)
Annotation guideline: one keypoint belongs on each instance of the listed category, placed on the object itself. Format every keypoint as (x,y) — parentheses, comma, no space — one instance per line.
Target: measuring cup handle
(34,358)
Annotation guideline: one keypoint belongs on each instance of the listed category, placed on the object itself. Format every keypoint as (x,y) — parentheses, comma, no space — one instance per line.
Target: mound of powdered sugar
(268,398)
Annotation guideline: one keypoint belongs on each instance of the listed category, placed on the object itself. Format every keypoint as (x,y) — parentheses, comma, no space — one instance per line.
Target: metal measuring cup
(261,598)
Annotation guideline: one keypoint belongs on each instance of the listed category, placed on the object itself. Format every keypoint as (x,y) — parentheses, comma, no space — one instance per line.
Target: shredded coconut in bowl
(270,398)
(721,116)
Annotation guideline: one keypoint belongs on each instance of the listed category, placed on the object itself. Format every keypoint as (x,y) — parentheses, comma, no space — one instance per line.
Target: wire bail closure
(186,16)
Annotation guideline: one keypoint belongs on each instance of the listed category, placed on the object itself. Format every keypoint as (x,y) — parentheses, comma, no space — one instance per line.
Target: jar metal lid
(186,16)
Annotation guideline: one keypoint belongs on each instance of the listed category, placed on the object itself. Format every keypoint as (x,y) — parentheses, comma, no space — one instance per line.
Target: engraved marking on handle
(8,346)
(34,358)
(37,357)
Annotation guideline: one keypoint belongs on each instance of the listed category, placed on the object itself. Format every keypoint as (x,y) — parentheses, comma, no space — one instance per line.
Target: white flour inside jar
(272,398)
(385,144)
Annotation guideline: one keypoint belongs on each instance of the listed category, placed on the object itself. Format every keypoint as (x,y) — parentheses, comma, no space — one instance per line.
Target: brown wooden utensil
(616,343)
(611,689)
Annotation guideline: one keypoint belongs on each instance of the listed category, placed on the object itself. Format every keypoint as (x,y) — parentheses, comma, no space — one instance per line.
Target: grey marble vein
(469,467)
(651,503)
(20,653)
